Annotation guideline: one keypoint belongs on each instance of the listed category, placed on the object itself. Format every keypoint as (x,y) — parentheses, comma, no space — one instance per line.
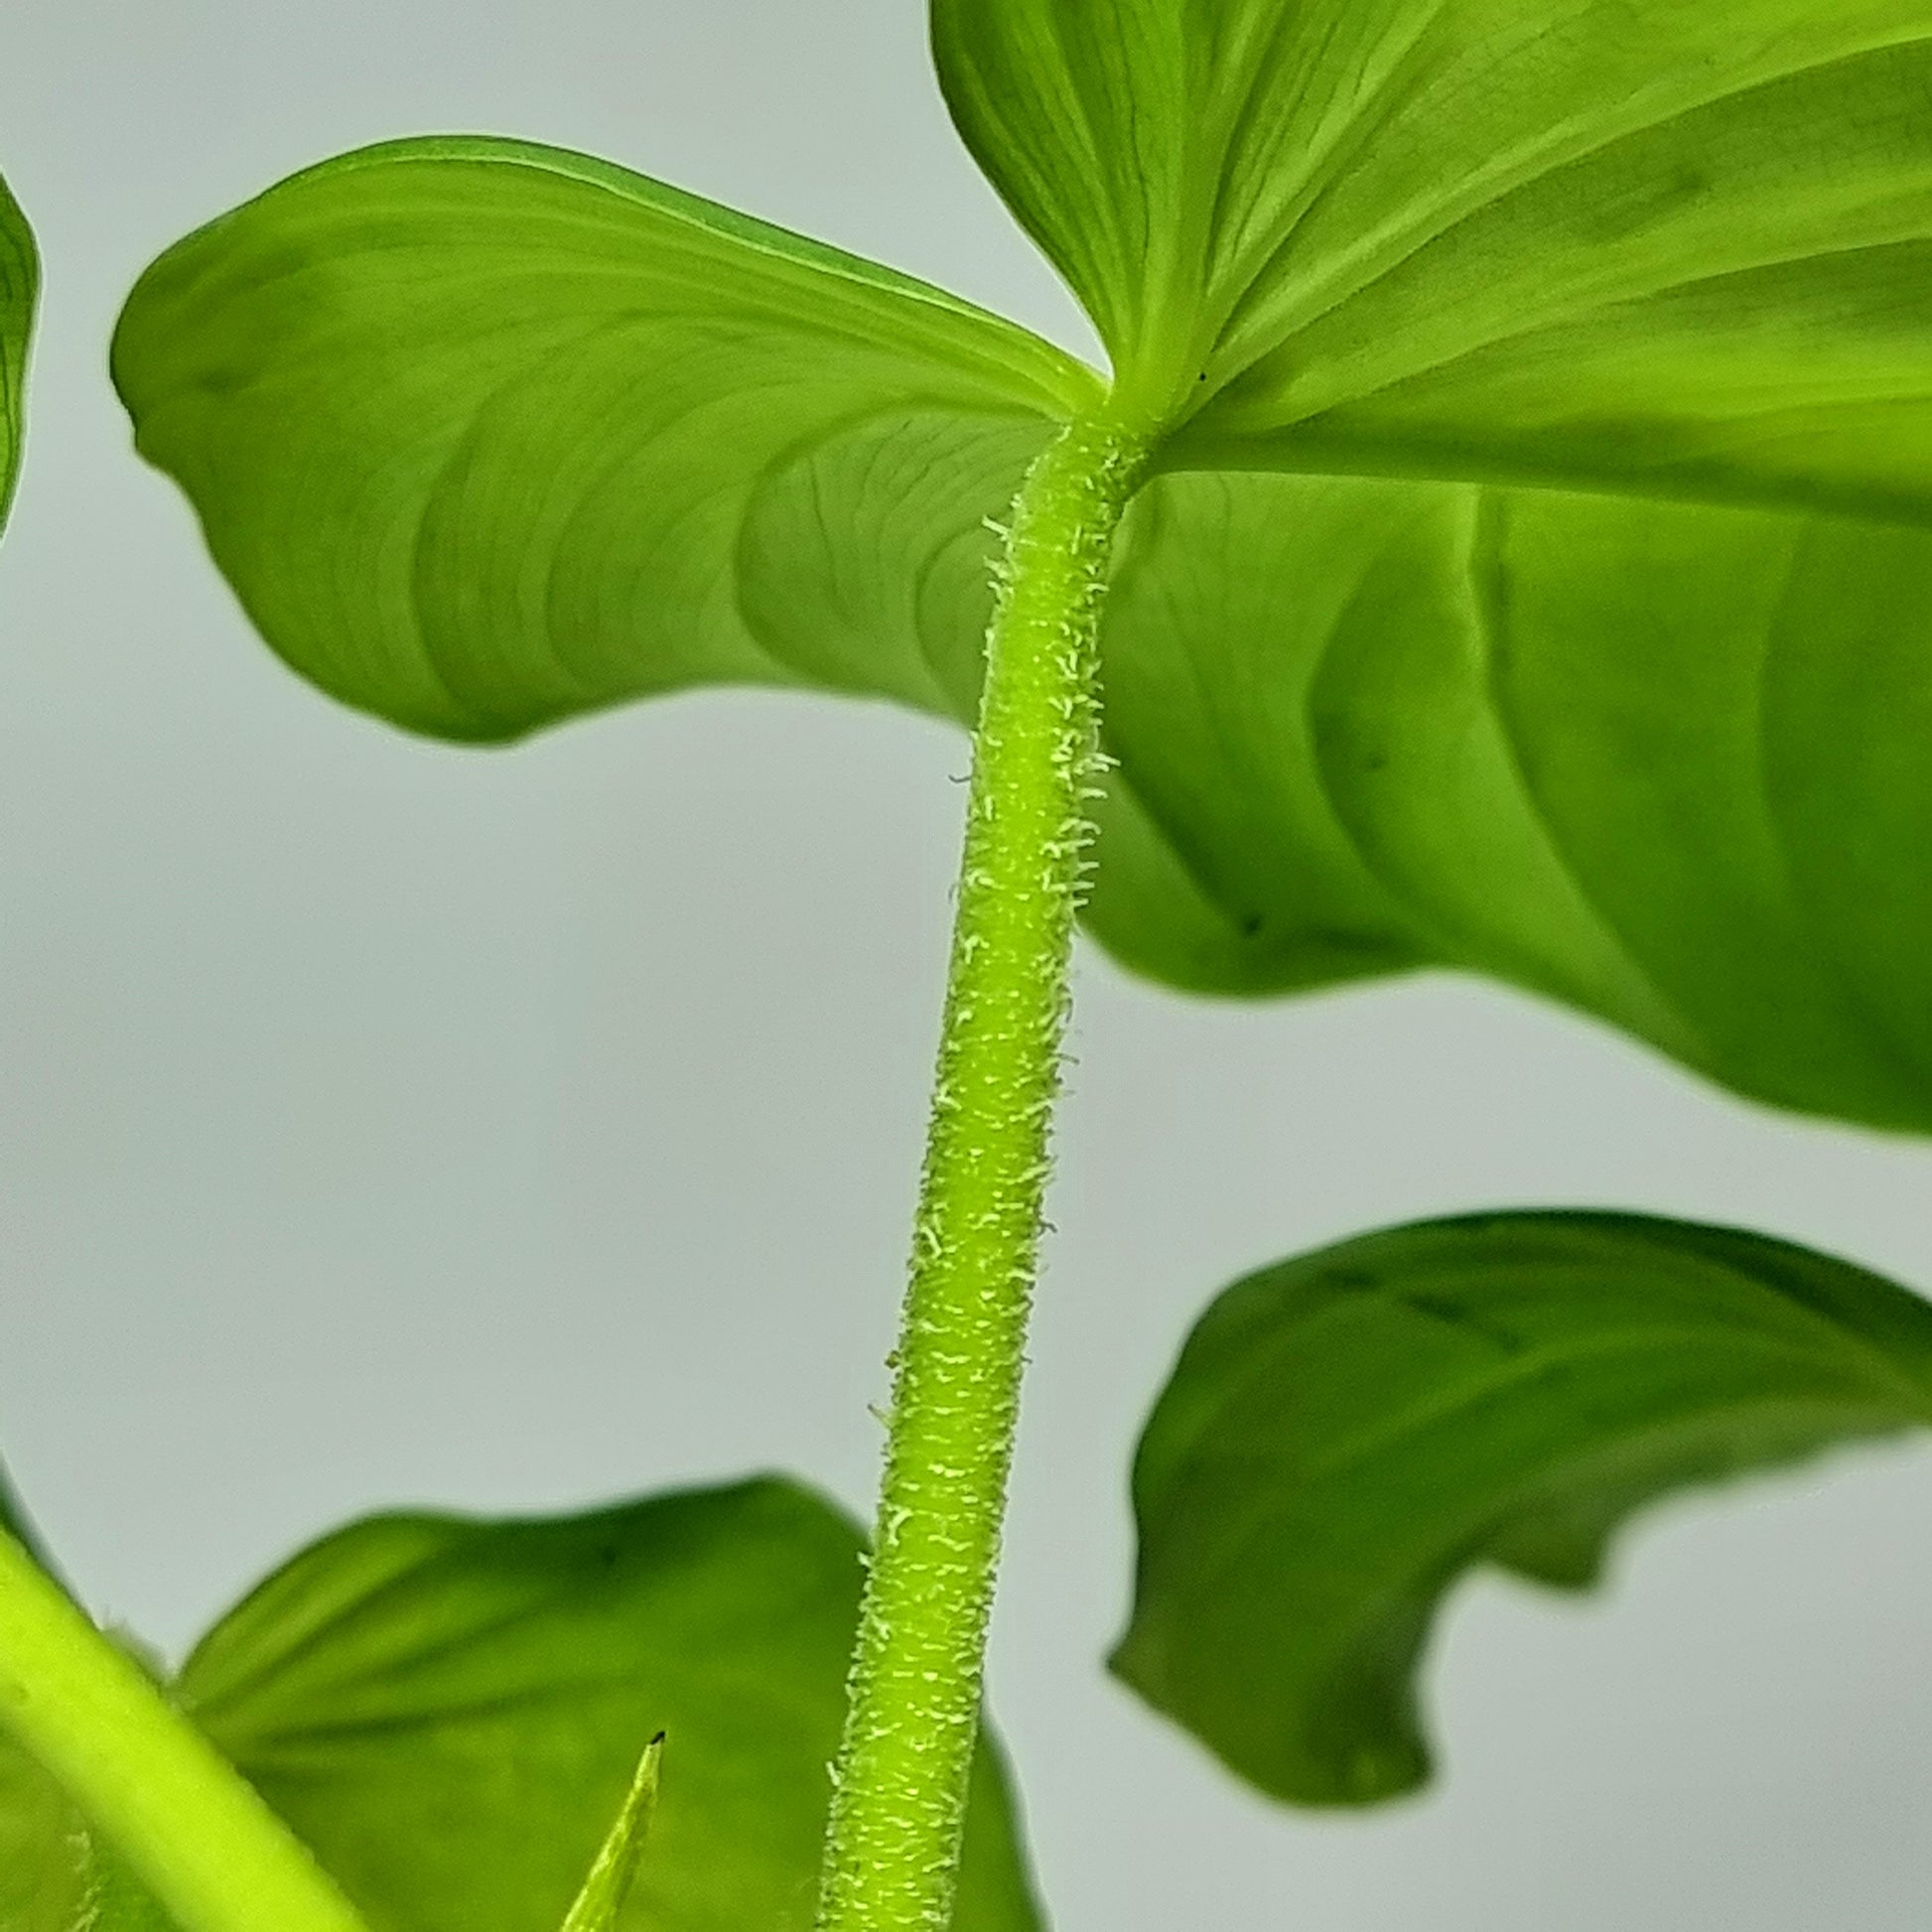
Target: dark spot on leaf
(1457,1314)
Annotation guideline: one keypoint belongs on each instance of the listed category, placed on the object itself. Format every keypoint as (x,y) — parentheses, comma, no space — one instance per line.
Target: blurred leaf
(1628,242)
(20,277)
(1347,1432)
(488,434)
(449,1713)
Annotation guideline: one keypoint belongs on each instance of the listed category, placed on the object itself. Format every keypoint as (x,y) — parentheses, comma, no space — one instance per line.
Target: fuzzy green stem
(900,1799)
(184,1819)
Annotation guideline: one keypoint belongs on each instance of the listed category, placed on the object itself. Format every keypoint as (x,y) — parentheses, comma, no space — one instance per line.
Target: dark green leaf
(1683,249)
(1348,1432)
(449,1713)
(19,289)
(488,434)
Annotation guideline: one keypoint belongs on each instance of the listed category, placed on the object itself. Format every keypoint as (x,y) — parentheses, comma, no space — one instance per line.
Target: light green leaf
(1347,1432)
(614,1869)
(449,1713)
(117,1900)
(1628,243)
(20,277)
(486,434)
(1664,762)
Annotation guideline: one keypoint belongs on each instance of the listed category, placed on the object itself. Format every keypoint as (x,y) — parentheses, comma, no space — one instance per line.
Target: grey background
(393,1124)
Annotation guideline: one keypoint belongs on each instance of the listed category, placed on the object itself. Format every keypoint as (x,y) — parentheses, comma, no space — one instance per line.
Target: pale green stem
(898,1803)
(188,1824)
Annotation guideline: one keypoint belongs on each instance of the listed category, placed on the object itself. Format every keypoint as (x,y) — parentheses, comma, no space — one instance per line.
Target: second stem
(899,1801)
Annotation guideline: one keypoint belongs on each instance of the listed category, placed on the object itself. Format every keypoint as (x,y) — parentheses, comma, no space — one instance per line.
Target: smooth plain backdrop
(386,1123)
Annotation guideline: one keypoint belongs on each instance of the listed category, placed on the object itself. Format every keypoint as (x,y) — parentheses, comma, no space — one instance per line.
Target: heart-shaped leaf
(1628,242)
(19,289)
(1347,1432)
(449,1713)
(488,434)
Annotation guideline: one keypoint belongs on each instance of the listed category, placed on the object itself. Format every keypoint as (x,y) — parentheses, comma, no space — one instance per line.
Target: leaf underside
(1536,585)
(1347,1434)
(487,434)
(1622,244)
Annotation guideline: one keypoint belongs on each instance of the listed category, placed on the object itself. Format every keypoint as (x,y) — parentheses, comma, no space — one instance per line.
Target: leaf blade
(475,427)
(1278,819)
(1659,251)
(1663,763)
(1348,1432)
(448,1711)
(608,1886)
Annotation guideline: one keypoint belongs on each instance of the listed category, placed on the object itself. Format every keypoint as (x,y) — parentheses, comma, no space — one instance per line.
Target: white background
(386,1123)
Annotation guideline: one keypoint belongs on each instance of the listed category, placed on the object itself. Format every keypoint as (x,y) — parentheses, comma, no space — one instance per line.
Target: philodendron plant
(1502,542)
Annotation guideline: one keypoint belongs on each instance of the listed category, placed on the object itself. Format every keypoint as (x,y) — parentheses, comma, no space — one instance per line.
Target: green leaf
(486,434)
(1347,1432)
(449,1713)
(616,1869)
(20,276)
(1664,762)
(1679,249)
